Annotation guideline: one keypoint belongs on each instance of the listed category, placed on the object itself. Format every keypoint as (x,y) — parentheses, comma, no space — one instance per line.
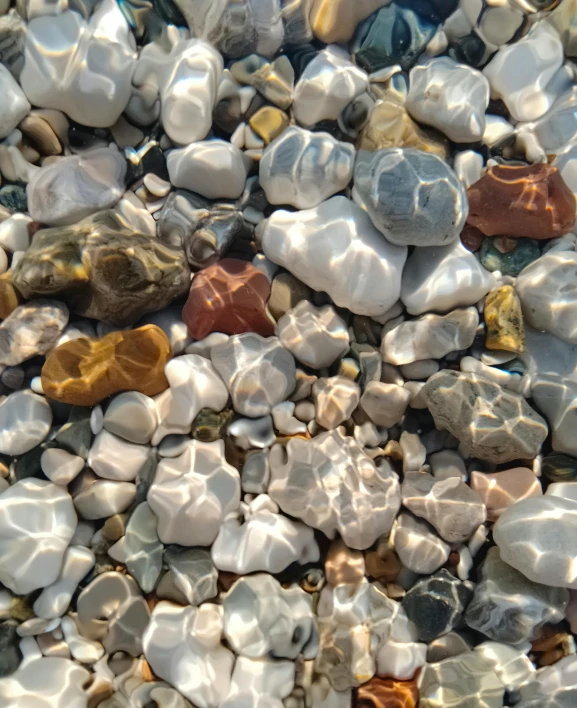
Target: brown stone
(83,372)
(530,201)
(386,568)
(343,565)
(10,298)
(498,490)
(387,693)
(229,296)
(286,292)
(336,20)
(471,238)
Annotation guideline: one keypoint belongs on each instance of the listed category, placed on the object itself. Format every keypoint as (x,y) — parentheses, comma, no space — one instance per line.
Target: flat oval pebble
(25,419)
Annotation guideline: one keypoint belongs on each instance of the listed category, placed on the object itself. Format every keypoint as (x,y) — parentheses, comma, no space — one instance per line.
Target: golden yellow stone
(10,298)
(391,126)
(269,122)
(83,372)
(336,20)
(504,321)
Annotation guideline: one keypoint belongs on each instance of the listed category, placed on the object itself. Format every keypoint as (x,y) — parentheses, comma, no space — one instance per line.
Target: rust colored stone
(229,296)
(83,372)
(471,238)
(10,298)
(387,693)
(530,201)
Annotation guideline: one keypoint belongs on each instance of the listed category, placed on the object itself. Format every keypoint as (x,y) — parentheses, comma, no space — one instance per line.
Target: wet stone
(10,298)
(335,20)
(335,400)
(30,330)
(499,490)
(559,468)
(511,262)
(130,360)
(531,202)
(142,548)
(504,321)
(25,420)
(193,572)
(229,296)
(436,604)
(268,123)
(387,693)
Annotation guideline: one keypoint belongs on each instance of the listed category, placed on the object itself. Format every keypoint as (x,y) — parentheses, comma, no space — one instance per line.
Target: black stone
(75,436)
(432,10)
(10,656)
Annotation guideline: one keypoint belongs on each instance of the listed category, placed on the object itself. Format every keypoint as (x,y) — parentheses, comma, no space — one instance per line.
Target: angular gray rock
(193,572)
(142,548)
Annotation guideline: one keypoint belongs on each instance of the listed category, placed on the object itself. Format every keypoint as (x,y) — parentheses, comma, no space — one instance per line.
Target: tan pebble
(343,565)
(504,320)
(40,132)
(269,122)
(498,490)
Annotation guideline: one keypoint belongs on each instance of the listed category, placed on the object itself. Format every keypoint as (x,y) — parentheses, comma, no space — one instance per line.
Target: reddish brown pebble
(471,238)
(528,201)
(387,693)
(498,490)
(229,296)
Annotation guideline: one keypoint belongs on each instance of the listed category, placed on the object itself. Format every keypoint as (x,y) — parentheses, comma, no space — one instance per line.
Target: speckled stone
(383,182)
(504,320)
(512,262)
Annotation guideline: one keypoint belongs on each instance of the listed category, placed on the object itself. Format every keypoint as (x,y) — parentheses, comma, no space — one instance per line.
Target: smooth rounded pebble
(25,419)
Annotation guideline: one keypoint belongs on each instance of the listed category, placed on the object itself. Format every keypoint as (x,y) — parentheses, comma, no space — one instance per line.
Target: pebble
(328,84)
(230,297)
(523,252)
(91,181)
(500,490)
(212,168)
(329,246)
(452,507)
(548,298)
(15,105)
(273,80)
(430,337)
(388,693)
(143,551)
(505,428)
(193,573)
(384,403)
(449,96)
(130,360)
(14,234)
(259,538)
(335,400)
(247,433)
(315,336)
(60,466)
(522,201)
(556,399)
(504,321)
(258,372)
(111,457)
(54,599)
(507,607)
(303,169)
(268,123)
(184,77)
(537,536)
(36,524)
(436,604)
(263,680)
(25,420)
(31,330)
(102,498)
(131,416)
(345,478)
(335,20)
(440,279)
(396,188)
(80,264)
(192,493)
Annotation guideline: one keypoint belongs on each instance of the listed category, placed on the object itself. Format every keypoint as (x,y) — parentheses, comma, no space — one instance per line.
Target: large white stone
(441,278)
(191,494)
(186,78)
(14,105)
(556,398)
(25,419)
(111,457)
(55,598)
(260,682)
(37,521)
(335,248)
(82,68)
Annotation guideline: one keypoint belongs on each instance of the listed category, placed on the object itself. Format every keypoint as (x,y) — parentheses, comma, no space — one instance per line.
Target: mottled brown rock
(10,298)
(102,268)
(530,201)
(83,372)
(229,296)
(343,564)
(387,693)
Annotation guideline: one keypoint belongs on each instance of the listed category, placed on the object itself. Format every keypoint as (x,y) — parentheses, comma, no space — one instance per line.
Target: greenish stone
(209,425)
(512,263)
(392,35)
(559,468)
(13,197)
(75,436)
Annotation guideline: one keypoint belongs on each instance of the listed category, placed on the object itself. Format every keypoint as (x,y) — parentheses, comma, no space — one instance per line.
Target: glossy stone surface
(451,97)
(261,618)
(548,296)
(557,399)
(82,265)
(336,249)
(335,400)
(229,296)
(430,337)
(500,490)
(504,320)
(443,278)
(258,372)
(434,213)
(91,181)
(268,123)
(142,547)
(384,403)
(192,572)
(315,336)
(554,686)
(31,330)
(327,85)
(387,693)
(79,67)
(36,525)
(182,646)
(131,416)
(537,536)
(192,493)
(344,478)
(393,35)
(15,105)
(303,168)
(335,20)
(492,423)
(83,371)
(532,202)
(25,420)
(507,607)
